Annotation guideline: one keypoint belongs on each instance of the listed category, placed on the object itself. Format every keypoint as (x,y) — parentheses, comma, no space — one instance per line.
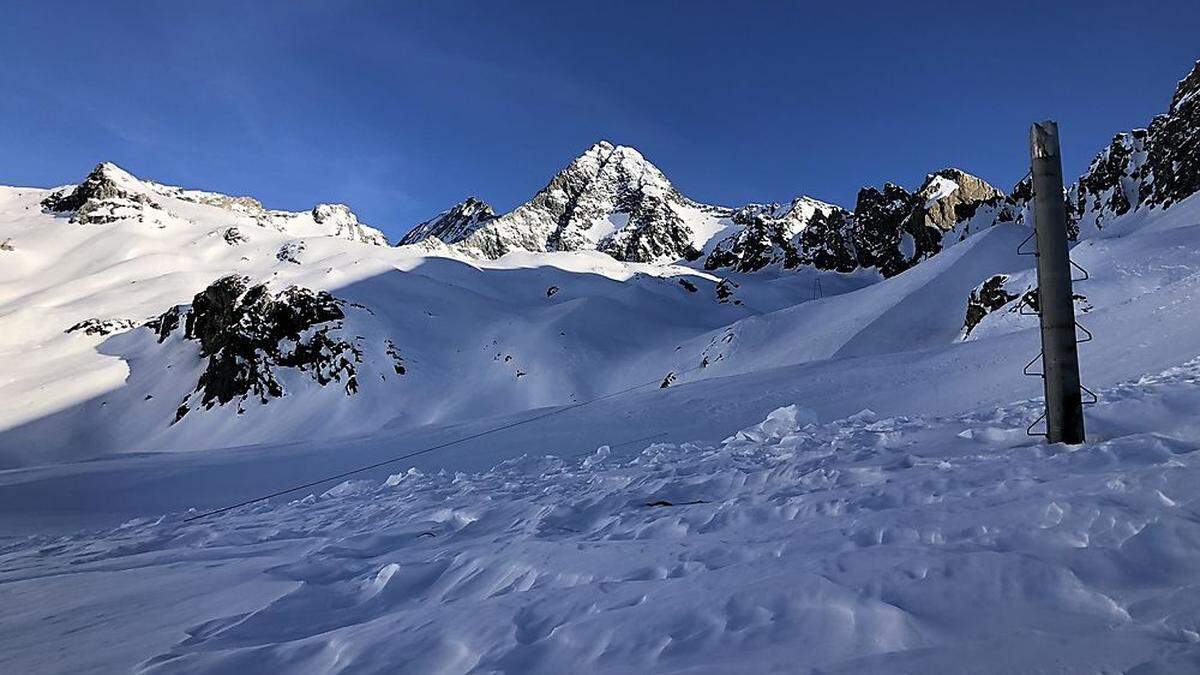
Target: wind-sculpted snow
(864,544)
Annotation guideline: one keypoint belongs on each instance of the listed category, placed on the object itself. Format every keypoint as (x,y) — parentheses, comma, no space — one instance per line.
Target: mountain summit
(611,199)
(110,194)
(453,224)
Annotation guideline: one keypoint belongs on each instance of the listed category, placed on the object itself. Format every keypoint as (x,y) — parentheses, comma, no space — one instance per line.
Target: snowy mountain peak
(453,224)
(107,194)
(951,195)
(344,224)
(112,173)
(110,194)
(610,198)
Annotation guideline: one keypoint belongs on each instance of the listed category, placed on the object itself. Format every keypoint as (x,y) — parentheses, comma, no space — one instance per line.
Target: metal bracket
(1029,365)
(1089,337)
(1095,398)
(1026,241)
(1029,429)
(1079,267)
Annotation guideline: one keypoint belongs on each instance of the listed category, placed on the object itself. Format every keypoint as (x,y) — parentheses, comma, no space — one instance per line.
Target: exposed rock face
(1011,295)
(613,200)
(890,229)
(246,334)
(1155,167)
(102,326)
(1173,147)
(771,236)
(985,299)
(106,195)
(233,236)
(879,229)
(894,229)
(454,224)
(110,194)
(609,199)
(951,196)
(344,224)
(291,252)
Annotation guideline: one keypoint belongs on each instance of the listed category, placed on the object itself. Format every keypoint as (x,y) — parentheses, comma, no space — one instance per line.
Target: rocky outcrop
(454,224)
(770,235)
(233,236)
(985,299)
(291,252)
(246,334)
(1172,165)
(101,326)
(890,229)
(110,194)
(1155,167)
(107,194)
(342,223)
(609,199)
(1012,295)
(894,229)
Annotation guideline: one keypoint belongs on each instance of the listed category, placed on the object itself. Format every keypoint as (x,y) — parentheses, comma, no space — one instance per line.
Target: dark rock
(291,251)
(245,334)
(233,236)
(724,290)
(985,299)
(102,326)
(106,195)
(454,224)
(397,360)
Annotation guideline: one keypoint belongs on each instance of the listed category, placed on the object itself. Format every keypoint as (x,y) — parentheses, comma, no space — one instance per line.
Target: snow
(865,544)
(833,482)
(939,188)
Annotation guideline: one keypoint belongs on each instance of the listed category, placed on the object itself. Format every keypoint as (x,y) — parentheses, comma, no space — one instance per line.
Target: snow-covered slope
(95,270)
(199,350)
(869,543)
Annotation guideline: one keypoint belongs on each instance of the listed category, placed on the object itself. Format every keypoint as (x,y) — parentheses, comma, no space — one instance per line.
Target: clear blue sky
(402,109)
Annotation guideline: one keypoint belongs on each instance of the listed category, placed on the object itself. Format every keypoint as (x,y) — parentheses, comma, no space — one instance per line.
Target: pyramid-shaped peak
(110,173)
(607,151)
(952,180)
(454,224)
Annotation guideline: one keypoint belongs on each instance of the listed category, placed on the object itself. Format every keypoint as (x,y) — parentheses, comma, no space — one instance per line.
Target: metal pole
(1060,355)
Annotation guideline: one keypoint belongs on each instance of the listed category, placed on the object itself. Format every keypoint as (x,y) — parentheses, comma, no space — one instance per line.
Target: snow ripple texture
(865,544)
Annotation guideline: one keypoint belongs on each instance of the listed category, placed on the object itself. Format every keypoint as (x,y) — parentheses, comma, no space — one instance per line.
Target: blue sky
(402,109)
